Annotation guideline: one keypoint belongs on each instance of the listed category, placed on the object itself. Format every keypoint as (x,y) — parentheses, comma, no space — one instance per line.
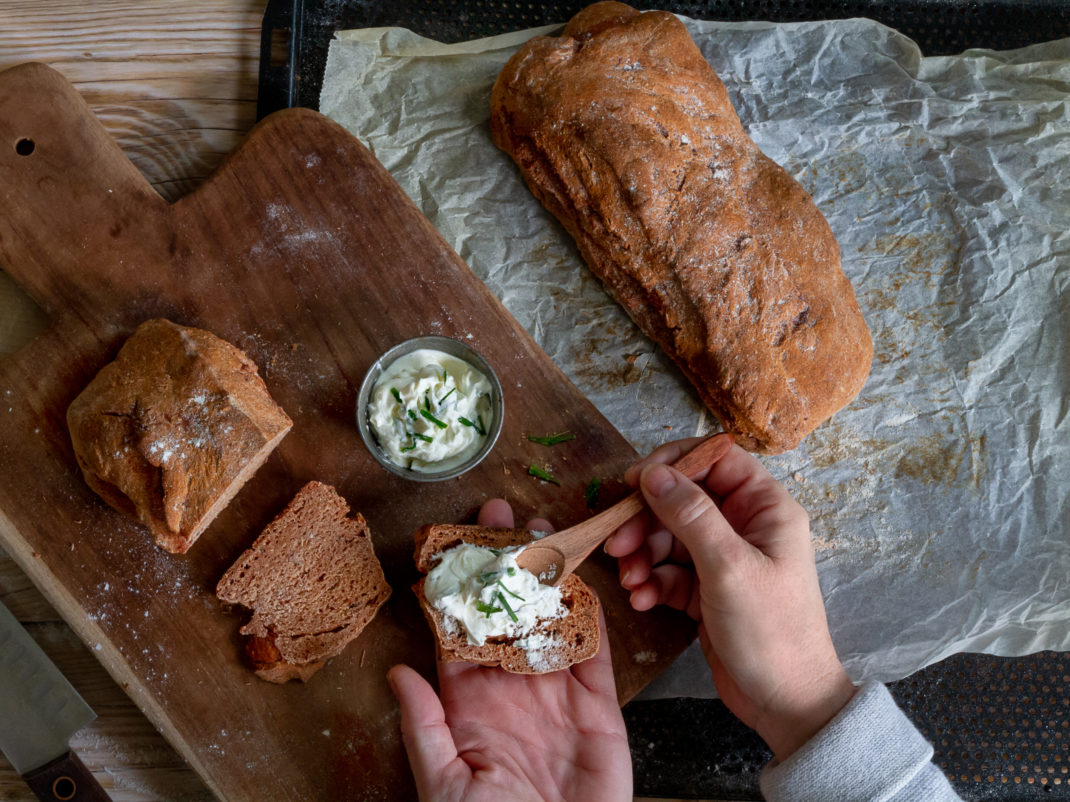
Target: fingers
(635,567)
(629,536)
(670,452)
(540,525)
(596,674)
(672,585)
(689,513)
(756,505)
(496,512)
(428,741)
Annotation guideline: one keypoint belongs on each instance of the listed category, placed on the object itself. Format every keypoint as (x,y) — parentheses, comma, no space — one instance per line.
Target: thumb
(428,740)
(686,510)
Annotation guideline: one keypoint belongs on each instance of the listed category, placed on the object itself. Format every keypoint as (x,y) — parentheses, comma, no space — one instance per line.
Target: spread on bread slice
(525,631)
(172,428)
(312,581)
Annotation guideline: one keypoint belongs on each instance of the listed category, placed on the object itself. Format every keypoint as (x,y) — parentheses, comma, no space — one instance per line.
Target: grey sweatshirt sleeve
(870,751)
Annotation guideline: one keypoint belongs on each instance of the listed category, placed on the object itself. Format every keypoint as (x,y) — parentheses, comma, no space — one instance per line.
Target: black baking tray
(297,33)
(1000,727)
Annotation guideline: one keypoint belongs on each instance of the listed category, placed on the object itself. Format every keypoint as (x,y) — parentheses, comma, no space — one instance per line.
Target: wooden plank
(191,136)
(302,251)
(130,759)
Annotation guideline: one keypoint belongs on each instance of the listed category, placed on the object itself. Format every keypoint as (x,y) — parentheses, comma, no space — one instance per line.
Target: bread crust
(577,633)
(626,134)
(172,428)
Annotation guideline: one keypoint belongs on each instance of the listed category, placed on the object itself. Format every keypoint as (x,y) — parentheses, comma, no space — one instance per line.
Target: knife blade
(39,712)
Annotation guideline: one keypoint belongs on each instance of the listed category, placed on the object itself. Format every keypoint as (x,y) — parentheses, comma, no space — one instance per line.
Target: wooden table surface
(175,83)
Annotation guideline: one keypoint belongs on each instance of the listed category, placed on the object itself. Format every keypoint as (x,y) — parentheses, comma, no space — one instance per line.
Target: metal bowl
(454,348)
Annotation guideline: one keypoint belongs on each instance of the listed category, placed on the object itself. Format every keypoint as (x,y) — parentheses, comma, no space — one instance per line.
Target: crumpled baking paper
(938,498)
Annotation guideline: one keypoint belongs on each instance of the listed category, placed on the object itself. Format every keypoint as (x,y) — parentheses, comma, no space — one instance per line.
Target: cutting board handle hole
(24,147)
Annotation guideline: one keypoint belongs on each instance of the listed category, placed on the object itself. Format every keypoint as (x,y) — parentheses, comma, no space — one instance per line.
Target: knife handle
(65,779)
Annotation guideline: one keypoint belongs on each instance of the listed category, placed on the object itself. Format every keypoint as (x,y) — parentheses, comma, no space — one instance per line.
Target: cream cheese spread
(489,594)
(430,411)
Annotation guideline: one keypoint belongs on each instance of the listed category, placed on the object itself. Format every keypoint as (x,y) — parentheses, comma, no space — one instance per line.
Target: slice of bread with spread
(312,581)
(172,428)
(552,645)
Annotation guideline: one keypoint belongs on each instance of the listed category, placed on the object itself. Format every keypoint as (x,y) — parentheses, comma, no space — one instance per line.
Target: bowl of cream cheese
(430,409)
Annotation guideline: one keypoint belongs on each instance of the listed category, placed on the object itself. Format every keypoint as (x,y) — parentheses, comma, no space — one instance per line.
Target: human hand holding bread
(733,550)
(492,734)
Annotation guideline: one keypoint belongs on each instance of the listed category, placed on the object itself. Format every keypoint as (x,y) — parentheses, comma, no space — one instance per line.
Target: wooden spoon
(556,556)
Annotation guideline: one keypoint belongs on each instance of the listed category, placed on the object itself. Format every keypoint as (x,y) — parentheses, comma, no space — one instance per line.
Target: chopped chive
(514,595)
(590,493)
(552,439)
(412,414)
(495,552)
(488,609)
(540,473)
(423,437)
(397,396)
(485,578)
(409,447)
(427,400)
(508,609)
(465,422)
(433,419)
(445,376)
(481,428)
(447,395)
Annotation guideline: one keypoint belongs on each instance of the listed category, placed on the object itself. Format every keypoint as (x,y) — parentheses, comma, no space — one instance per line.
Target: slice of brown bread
(575,637)
(172,428)
(312,581)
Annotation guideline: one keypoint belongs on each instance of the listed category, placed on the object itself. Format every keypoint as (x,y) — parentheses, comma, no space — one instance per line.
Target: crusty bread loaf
(624,132)
(312,581)
(171,430)
(575,637)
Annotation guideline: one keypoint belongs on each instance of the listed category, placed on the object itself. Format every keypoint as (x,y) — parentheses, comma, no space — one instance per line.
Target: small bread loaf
(573,638)
(312,581)
(624,132)
(171,430)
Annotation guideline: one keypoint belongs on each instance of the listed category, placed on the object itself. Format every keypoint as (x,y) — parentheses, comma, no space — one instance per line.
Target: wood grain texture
(174,83)
(178,125)
(302,251)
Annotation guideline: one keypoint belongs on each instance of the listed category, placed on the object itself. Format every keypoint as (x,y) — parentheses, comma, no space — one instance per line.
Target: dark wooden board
(304,252)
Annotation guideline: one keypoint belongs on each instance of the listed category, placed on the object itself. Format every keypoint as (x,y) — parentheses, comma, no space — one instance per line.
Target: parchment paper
(938,499)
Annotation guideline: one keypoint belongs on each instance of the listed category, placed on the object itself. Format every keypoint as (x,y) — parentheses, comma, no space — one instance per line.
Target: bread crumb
(645,658)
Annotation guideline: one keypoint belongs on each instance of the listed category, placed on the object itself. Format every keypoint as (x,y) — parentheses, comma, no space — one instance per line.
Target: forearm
(869,751)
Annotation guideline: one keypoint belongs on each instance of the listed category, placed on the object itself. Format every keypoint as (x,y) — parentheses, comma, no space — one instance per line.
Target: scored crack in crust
(625,133)
(566,641)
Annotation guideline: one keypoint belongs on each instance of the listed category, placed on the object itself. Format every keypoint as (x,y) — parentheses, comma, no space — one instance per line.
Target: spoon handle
(585,537)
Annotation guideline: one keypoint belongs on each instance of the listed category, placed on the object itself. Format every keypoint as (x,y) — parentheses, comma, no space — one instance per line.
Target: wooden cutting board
(304,252)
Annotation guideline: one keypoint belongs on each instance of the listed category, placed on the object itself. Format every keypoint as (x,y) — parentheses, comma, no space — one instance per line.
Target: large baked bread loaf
(567,640)
(171,430)
(312,581)
(625,133)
